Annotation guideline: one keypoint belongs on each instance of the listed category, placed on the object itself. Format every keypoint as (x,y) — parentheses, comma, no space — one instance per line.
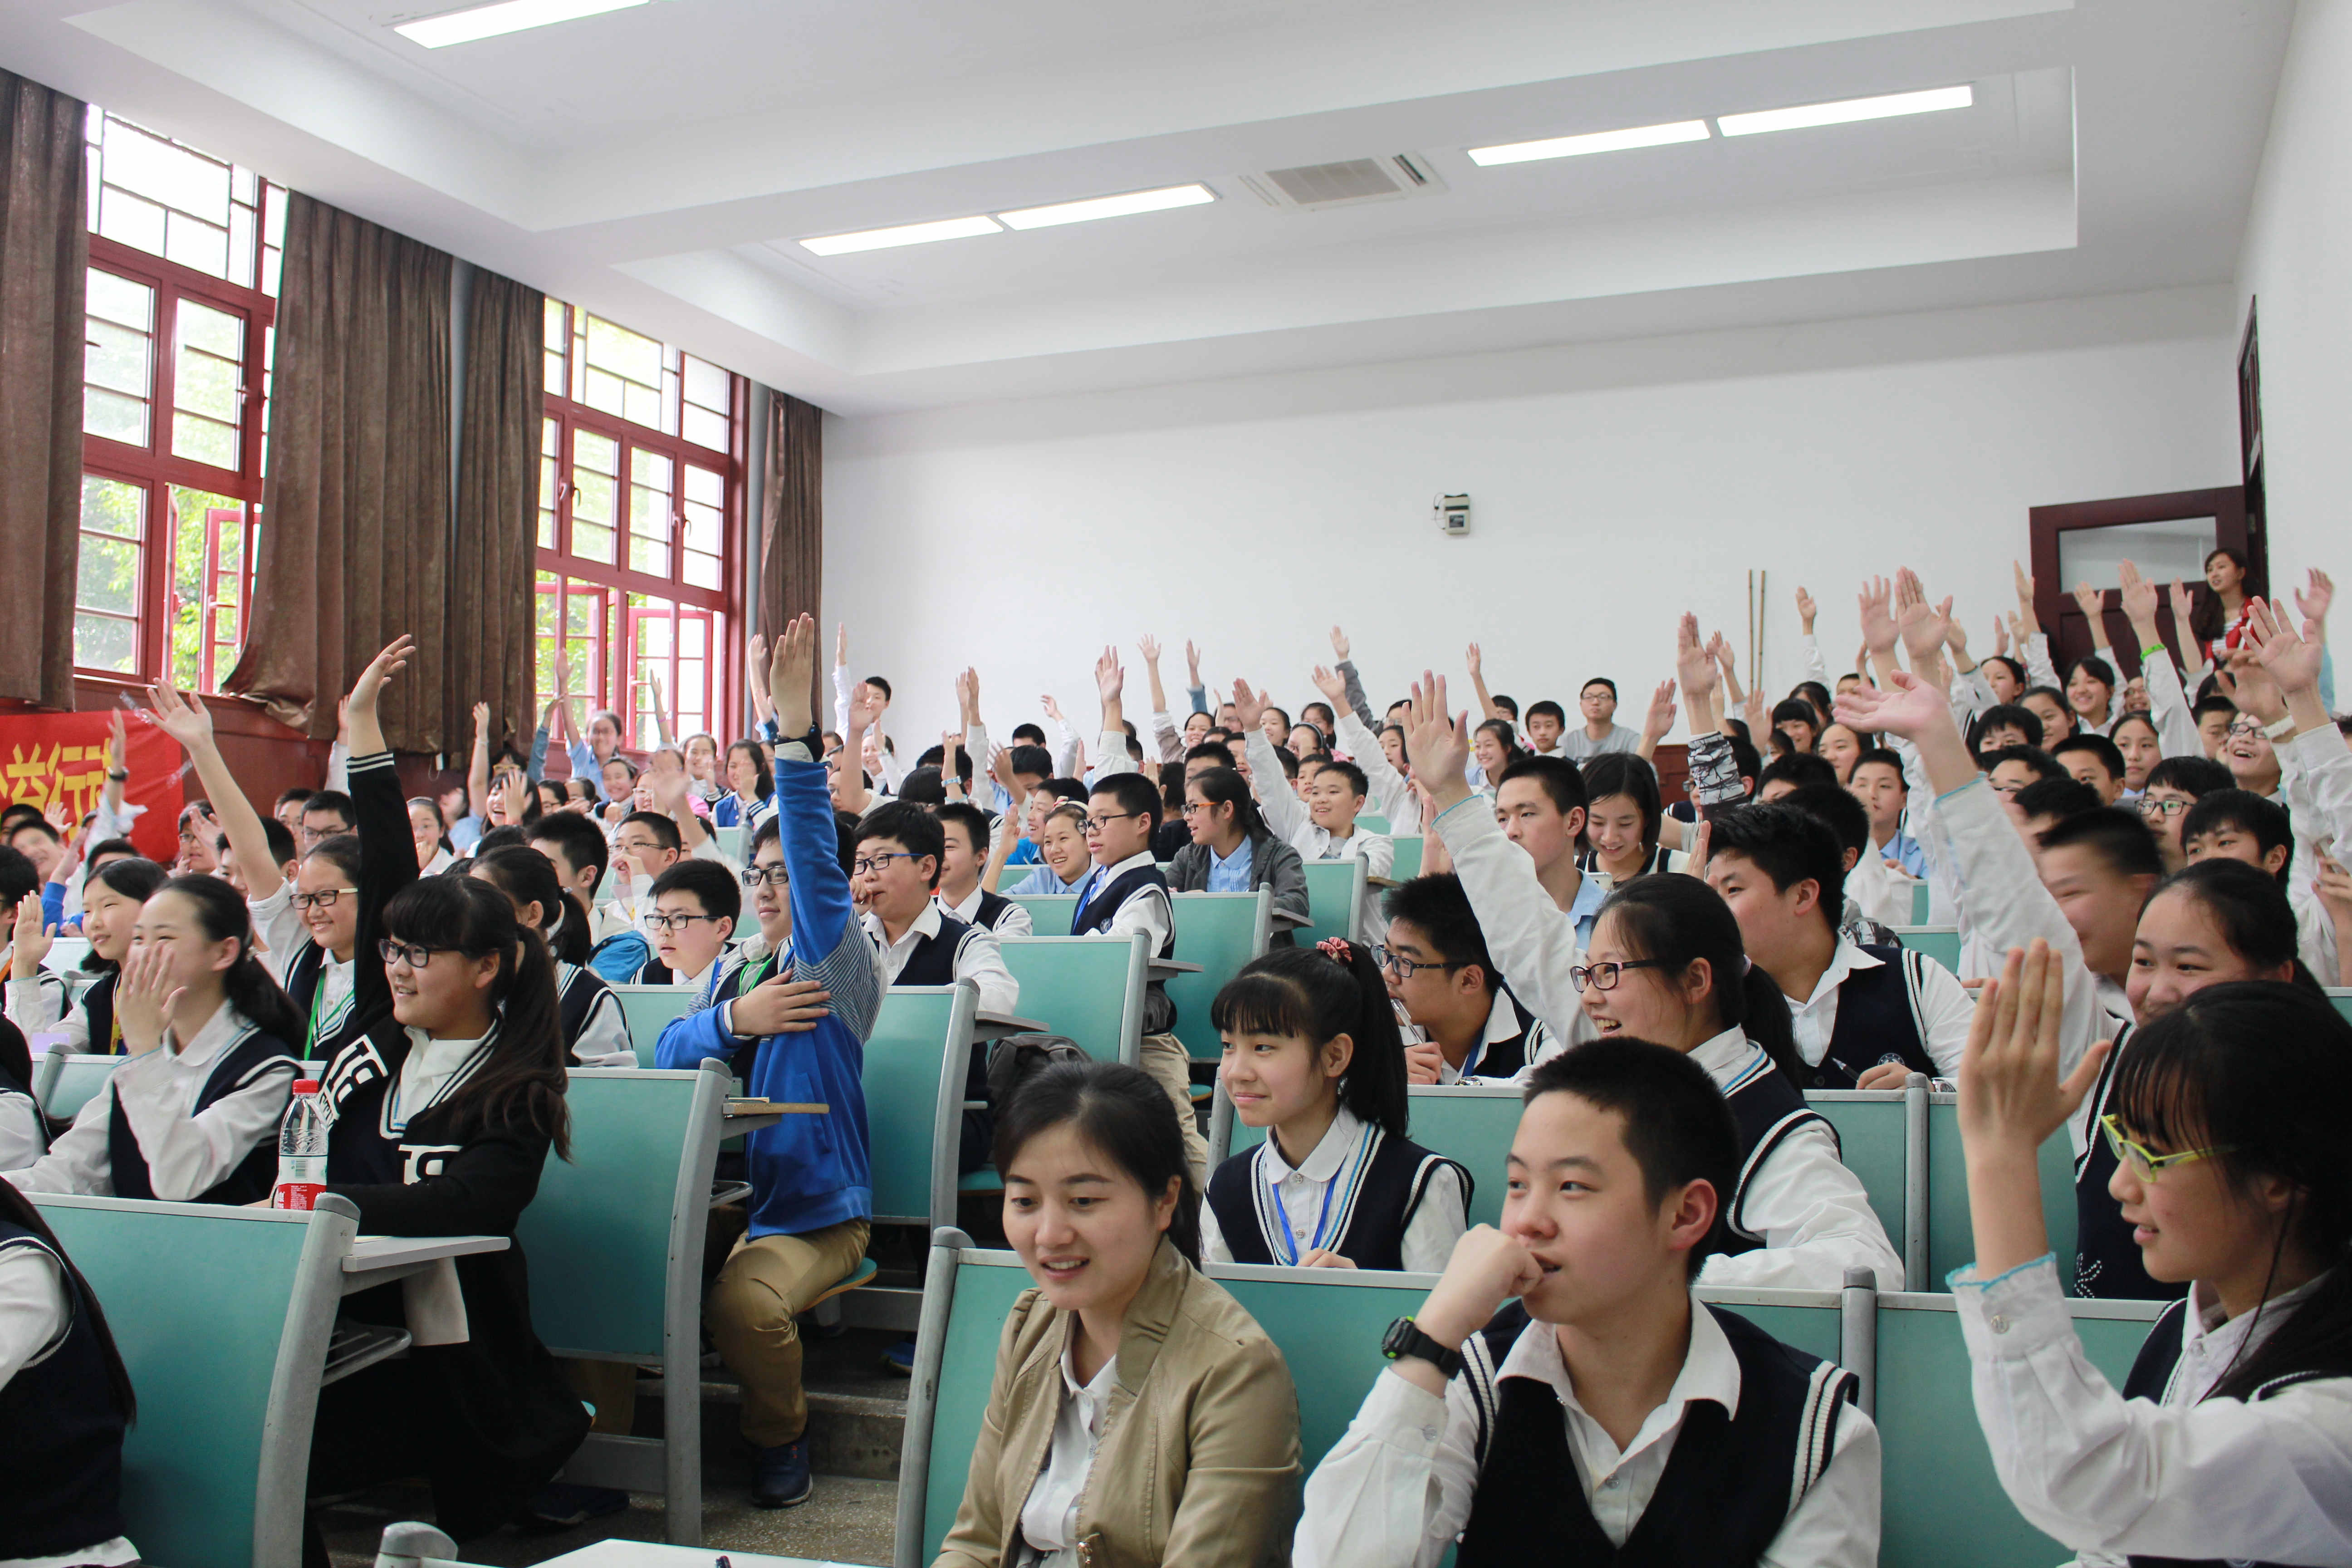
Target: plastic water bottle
(301,1149)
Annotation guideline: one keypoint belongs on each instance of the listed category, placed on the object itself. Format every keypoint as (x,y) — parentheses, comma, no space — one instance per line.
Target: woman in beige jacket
(1139,1416)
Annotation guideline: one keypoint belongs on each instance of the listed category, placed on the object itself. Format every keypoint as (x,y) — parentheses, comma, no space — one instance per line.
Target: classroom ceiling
(661,164)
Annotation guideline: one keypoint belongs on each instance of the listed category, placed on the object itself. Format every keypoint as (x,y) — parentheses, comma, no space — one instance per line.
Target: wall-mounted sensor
(1452,514)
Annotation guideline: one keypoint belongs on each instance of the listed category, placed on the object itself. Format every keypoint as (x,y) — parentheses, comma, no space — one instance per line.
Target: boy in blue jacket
(811,1185)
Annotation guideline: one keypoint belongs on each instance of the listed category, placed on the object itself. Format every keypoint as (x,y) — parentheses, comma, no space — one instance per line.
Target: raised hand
(1332,686)
(145,999)
(2291,661)
(1694,667)
(1338,645)
(2252,687)
(841,642)
(1477,661)
(865,706)
(1660,719)
(514,795)
(791,673)
(118,743)
(2011,1094)
(2314,600)
(1053,709)
(967,690)
(1149,647)
(1249,706)
(369,688)
(1920,626)
(2090,600)
(2000,635)
(31,938)
(1876,604)
(1806,609)
(1110,680)
(1955,636)
(2026,613)
(1699,846)
(188,722)
(1192,662)
(1910,708)
(2176,595)
(2139,597)
(1437,741)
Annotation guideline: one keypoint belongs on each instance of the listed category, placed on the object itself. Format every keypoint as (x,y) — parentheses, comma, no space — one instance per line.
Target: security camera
(1452,514)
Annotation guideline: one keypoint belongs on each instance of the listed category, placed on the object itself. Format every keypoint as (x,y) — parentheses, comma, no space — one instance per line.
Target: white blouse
(1049,1519)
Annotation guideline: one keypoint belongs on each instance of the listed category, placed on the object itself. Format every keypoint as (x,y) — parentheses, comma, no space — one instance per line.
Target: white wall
(2298,264)
(1612,486)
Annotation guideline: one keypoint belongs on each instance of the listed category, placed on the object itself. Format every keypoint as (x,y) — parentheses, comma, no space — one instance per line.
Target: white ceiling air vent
(1313,187)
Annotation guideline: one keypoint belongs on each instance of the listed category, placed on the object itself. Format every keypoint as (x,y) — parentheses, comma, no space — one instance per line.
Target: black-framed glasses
(416,954)
(666,923)
(2162,807)
(1603,976)
(874,865)
(324,898)
(2245,728)
(766,875)
(1405,968)
(1097,823)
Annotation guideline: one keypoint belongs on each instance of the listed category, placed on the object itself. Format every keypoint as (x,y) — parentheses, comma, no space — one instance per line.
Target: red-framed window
(184,264)
(640,523)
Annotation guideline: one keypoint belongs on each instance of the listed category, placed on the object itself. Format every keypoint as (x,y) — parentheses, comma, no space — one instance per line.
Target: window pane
(703,524)
(121,299)
(115,357)
(704,486)
(108,577)
(649,512)
(101,642)
(114,416)
(207,383)
(110,506)
(135,223)
(595,465)
(705,428)
(161,172)
(702,571)
(198,245)
(204,440)
(207,555)
(706,384)
(214,331)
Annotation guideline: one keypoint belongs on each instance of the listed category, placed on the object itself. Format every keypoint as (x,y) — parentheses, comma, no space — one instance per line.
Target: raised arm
(661,709)
(477,767)
(1284,812)
(1876,602)
(1658,723)
(1478,662)
(190,722)
(387,851)
(1167,740)
(1110,683)
(827,943)
(2094,606)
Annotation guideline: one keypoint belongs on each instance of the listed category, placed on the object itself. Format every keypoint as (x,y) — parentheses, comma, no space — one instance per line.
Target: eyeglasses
(1101,823)
(416,955)
(1405,968)
(1194,806)
(1603,976)
(2147,1166)
(874,865)
(2245,728)
(766,875)
(678,923)
(2162,807)
(322,900)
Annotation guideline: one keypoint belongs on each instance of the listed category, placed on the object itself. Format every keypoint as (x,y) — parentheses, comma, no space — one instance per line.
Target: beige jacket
(1198,1463)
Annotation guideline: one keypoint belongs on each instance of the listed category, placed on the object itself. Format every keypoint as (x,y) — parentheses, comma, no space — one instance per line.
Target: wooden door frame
(2054,601)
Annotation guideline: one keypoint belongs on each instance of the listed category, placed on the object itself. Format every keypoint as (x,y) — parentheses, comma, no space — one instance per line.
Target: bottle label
(297,1194)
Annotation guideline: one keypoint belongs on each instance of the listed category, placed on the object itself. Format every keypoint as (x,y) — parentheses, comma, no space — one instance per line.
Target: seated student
(2045,803)
(2011,768)
(199,830)
(1465,1025)
(594,1032)
(282,855)
(110,904)
(578,850)
(1312,1056)
(430,833)
(592,753)
(1606,1414)
(1539,805)
(1871,884)
(2095,760)
(1034,784)
(2236,825)
(2214,713)
(1234,851)
(751,798)
(2090,691)
(694,906)
(1798,770)
(1322,826)
(1547,722)
(326,813)
(644,845)
(1599,734)
(1496,747)
(2173,786)
(193,1116)
(1067,861)
(2048,704)
(2005,725)
(1137,1414)
(1841,747)
(900,847)
(2251,757)
(444,1113)
(1878,782)
(2227,1440)
(2141,746)
(801,1011)
(65,1403)
(965,827)
(1862,1018)
(288,810)
(1624,820)
(44,994)
(1800,720)
(23,1134)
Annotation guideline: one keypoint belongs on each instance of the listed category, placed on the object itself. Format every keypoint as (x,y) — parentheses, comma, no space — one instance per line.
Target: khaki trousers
(1165,1059)
(768,1280)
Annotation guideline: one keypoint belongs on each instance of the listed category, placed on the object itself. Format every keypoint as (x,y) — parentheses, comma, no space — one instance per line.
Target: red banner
(47,757)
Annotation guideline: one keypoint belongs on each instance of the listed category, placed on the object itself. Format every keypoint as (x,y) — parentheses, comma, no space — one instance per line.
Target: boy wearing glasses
(695,906)
(1466,1027)
(900,847)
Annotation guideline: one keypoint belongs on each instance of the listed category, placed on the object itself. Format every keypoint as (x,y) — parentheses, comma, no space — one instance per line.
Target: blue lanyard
(1289,1244)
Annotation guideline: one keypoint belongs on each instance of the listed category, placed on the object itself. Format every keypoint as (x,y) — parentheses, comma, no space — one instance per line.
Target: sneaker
(560,1505)
(780,1476)
(900,1358)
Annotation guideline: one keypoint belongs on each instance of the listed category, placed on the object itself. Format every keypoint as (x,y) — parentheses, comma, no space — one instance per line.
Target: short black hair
(936,758)
(923,786)
(42,826)
(1787,845)
(1598,680)
(1076,789)
(1215,752)
(711,884)
(281,842)
(2043,764)
(2110,755)
(2196,777)
(1507,704)
(504,836)
(1893,758)
(1547,709)
(880,685)
(1348,771)
(2056,798)
(911,828)
(1029,735)
(1838,809)
(2213,702)
(1036,761)
(2117,836)
(287,796)
(2246,811)
(582,843)
(1558,777)
(333,800)
(771,831)
(1677,1125)
(973,821)
(1289,761)
(2013,716)
(1802,710)
(1438,908)
(1136,795)
(17,878)
(1803,769)
(664,830)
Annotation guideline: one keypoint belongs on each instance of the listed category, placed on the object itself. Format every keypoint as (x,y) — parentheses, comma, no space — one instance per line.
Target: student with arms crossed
(1463,1026)
(1605,1413)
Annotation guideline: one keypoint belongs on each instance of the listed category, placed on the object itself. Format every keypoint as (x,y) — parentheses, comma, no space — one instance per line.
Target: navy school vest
(253,1054)
(60,1436)
(1877,1021)
(2108,1264)
(1367,1219)
(1768,1109)
(1094,914)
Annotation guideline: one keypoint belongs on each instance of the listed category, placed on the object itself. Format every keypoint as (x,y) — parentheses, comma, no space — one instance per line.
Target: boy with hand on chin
(1605,1410)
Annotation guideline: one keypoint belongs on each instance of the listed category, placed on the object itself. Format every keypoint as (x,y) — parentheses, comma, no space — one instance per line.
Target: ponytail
(248,985)
(1318,993)
(528,877)
(1678,921)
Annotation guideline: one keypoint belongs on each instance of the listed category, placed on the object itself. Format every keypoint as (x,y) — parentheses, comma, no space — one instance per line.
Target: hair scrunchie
(1336,949)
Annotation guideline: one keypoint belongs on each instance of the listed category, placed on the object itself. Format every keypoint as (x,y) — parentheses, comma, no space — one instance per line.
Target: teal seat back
(598,1236)
(1950,1242)
(647,1009)
(986,1286)
(1941,943)
(1944,1506)
(1372,821)
(1220,932)
(730,841)
(1871,1141)
(200,1299)
(69,1082)
(2342,996)
(1920,901)
(1407,864)
(1049,913)
(1471,1124)
(1808,1320)
(906,1058)
(1329,1335)
(1334,893)
(1088,988)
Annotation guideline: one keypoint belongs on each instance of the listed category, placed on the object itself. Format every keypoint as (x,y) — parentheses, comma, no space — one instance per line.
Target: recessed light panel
(1108,206)
(508,17)
(1592,141)
(1847,111)
(905,234)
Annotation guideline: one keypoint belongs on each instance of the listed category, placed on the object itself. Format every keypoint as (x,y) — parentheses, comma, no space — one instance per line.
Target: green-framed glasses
(2146,1165)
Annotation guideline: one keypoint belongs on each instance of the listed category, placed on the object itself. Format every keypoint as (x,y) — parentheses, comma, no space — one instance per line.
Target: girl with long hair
(593,1029)
(112,900)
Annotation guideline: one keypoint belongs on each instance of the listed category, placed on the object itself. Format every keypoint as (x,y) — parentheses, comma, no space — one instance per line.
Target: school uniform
(1260,860)
(1378,1200)
(991,911)
(1657,857)
(1512,1044)
(2158,1473)
(704,983)
(60,1427)
(35,1005)
(1045,880)
(937,949)
(439,865)
(1116,901)
(191,1125)
(38,1006)
(1533,941)
(477,1405)
(23,1136)
(1759,1452)
(731,810)
(595,1031)
(1391,791)
(1287,815)
(341,1001)
(1875,1005)
(2316,782)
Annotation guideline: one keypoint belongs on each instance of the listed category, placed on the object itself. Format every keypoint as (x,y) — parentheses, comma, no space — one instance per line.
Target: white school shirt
(1291,821)
(187,1152)
(2315,778)
(21,1142)
(1944,1008)
(2183,1477)
(1533,940)
(1503,1021)
(426,1075)
(1396,1489)
(978,958)
(1391,791)
(442,860)
(1015,921)
(1881,890)
(33,1319)
(1147,909)
(1429,1236)
(1049,1518)
(39,1005)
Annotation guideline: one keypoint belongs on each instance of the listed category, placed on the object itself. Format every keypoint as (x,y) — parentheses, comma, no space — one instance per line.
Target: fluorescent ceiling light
(1109,206)
(905,234)
(1592,141)
(1850,110)
(510,17)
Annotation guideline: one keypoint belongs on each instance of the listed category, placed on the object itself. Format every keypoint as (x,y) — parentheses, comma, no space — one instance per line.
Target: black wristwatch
(1404,1338)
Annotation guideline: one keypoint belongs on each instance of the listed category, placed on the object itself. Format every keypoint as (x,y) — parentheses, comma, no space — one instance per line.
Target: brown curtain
(355,506)
(44,257)
(791,521)
(491,553)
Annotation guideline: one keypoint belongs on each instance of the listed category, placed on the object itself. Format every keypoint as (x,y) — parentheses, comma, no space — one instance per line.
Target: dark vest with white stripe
(60,1436)
(932,963)
(1366,1227)
(1877,1021)
(1767,1108)
(1728,1486)
(991,909)
(2151,1379)
(240,1065)
(2107,1262)
(98,1008)
(578,996)
(1094,916)
(1506,1058)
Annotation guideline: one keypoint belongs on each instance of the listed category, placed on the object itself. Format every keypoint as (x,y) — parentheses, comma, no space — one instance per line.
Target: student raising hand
(367,732)
(1249,706)
(1439,744)
(30,939)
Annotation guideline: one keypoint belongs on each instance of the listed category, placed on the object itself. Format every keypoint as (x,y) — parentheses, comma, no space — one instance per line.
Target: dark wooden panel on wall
(1673,763)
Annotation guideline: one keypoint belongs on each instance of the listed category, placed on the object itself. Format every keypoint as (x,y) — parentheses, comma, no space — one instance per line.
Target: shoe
(560,1505)
(900,1358)
(780,1476)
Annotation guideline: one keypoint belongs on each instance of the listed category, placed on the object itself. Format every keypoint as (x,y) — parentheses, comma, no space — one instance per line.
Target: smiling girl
(112,900)
(1623,820)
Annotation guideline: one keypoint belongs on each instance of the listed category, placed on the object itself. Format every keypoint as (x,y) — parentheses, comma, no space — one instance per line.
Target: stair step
(857,1412)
